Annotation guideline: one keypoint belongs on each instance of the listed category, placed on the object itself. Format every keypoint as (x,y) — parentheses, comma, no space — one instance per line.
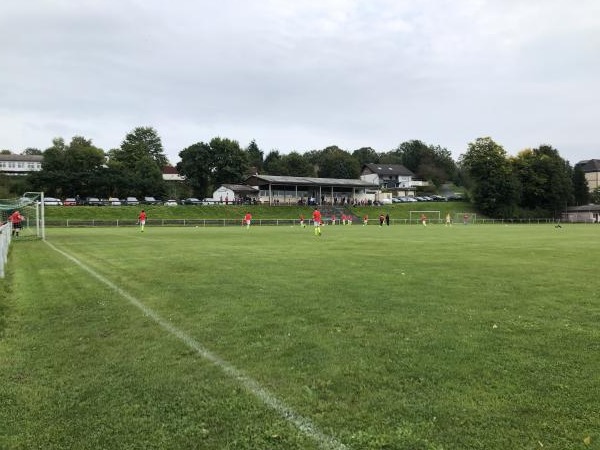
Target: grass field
(401,337)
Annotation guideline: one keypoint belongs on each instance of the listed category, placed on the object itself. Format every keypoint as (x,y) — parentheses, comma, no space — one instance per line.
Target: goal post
(431,216)
(31,206)
(31,226)
(465,218)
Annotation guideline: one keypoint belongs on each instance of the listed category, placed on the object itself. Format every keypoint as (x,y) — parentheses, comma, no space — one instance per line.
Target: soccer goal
(465,218)
(431,216)
(31,207)
(30,211)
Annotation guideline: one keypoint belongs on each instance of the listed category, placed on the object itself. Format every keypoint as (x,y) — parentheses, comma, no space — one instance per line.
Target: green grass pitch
(400,337)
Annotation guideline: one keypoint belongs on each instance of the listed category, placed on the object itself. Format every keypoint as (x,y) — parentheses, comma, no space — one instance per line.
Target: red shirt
(142,215)
(317,216)
(248,217)
(15,217)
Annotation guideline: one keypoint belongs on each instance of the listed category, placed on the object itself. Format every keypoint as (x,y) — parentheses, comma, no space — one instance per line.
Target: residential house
(395,179)
(169,173)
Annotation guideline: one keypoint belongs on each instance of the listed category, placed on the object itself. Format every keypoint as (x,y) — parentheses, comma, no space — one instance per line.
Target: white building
(20,164)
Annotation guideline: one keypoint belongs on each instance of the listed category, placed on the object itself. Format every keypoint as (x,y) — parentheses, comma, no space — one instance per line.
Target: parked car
(151,201)
(385,201)
(171,203)
(211,201)
(132,201)
(70,202)
(113,201)
(92,201)
(192,201)
(51,201)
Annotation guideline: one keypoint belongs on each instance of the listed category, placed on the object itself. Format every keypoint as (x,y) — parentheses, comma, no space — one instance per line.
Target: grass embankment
(412,337)
(397,211)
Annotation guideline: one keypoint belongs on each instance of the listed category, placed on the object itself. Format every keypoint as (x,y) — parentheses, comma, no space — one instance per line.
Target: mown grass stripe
(303,424)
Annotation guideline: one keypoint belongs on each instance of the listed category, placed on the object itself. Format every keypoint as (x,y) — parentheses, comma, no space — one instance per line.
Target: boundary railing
(77,223)
(5,237)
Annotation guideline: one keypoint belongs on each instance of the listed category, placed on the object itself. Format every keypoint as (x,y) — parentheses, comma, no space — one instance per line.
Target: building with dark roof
(585,213)
(276,189)
(591,169)
(394,178)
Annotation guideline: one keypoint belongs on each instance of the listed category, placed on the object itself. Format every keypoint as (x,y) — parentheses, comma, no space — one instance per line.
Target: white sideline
(302,423)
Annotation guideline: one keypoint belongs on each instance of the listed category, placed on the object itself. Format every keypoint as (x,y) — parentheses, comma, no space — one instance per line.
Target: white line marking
(302,423)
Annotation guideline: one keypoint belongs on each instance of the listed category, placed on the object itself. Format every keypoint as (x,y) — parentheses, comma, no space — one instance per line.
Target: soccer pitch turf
(400,337)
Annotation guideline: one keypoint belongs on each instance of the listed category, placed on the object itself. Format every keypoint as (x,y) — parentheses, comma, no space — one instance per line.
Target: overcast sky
(299,75)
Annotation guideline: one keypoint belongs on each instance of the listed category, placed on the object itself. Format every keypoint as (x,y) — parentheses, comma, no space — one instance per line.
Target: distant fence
(268,222)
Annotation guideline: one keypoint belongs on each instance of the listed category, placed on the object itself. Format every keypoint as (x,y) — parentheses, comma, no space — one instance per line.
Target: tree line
(534,182)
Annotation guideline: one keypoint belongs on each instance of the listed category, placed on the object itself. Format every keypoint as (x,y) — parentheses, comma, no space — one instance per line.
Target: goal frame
(31,207)
(459,218)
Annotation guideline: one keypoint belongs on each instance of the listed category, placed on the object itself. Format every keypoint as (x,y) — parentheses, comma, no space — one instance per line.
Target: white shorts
(142,222)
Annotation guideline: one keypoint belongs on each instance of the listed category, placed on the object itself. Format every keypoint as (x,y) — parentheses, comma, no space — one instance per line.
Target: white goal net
(29,222)
(22,218)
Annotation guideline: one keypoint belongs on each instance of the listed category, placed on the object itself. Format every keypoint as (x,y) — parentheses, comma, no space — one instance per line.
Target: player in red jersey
(316,216)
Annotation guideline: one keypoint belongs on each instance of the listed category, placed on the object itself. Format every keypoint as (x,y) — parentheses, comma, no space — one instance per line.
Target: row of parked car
(426,198)
(96,201)
(113,201)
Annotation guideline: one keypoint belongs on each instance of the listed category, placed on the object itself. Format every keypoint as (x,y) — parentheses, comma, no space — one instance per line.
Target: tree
(196,166)
(82,156)
(581,190)
(230,161)
(429,162)
(142,142)
(493,185)
(254,156)
(392,157)
(32,151)
(365,155)
(334,162)
(545,178)
(140,159)
(296,165)
(67,170)
(595,196)
(273,164)
(207,166)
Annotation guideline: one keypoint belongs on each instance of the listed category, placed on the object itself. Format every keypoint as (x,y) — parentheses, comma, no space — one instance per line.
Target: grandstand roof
(257,180)
(240,187)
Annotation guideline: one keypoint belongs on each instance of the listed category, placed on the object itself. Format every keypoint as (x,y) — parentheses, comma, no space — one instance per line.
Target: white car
(113,201)
(171,203)
(51,201)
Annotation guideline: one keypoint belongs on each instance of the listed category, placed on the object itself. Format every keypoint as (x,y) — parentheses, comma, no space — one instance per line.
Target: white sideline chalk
(301,423)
